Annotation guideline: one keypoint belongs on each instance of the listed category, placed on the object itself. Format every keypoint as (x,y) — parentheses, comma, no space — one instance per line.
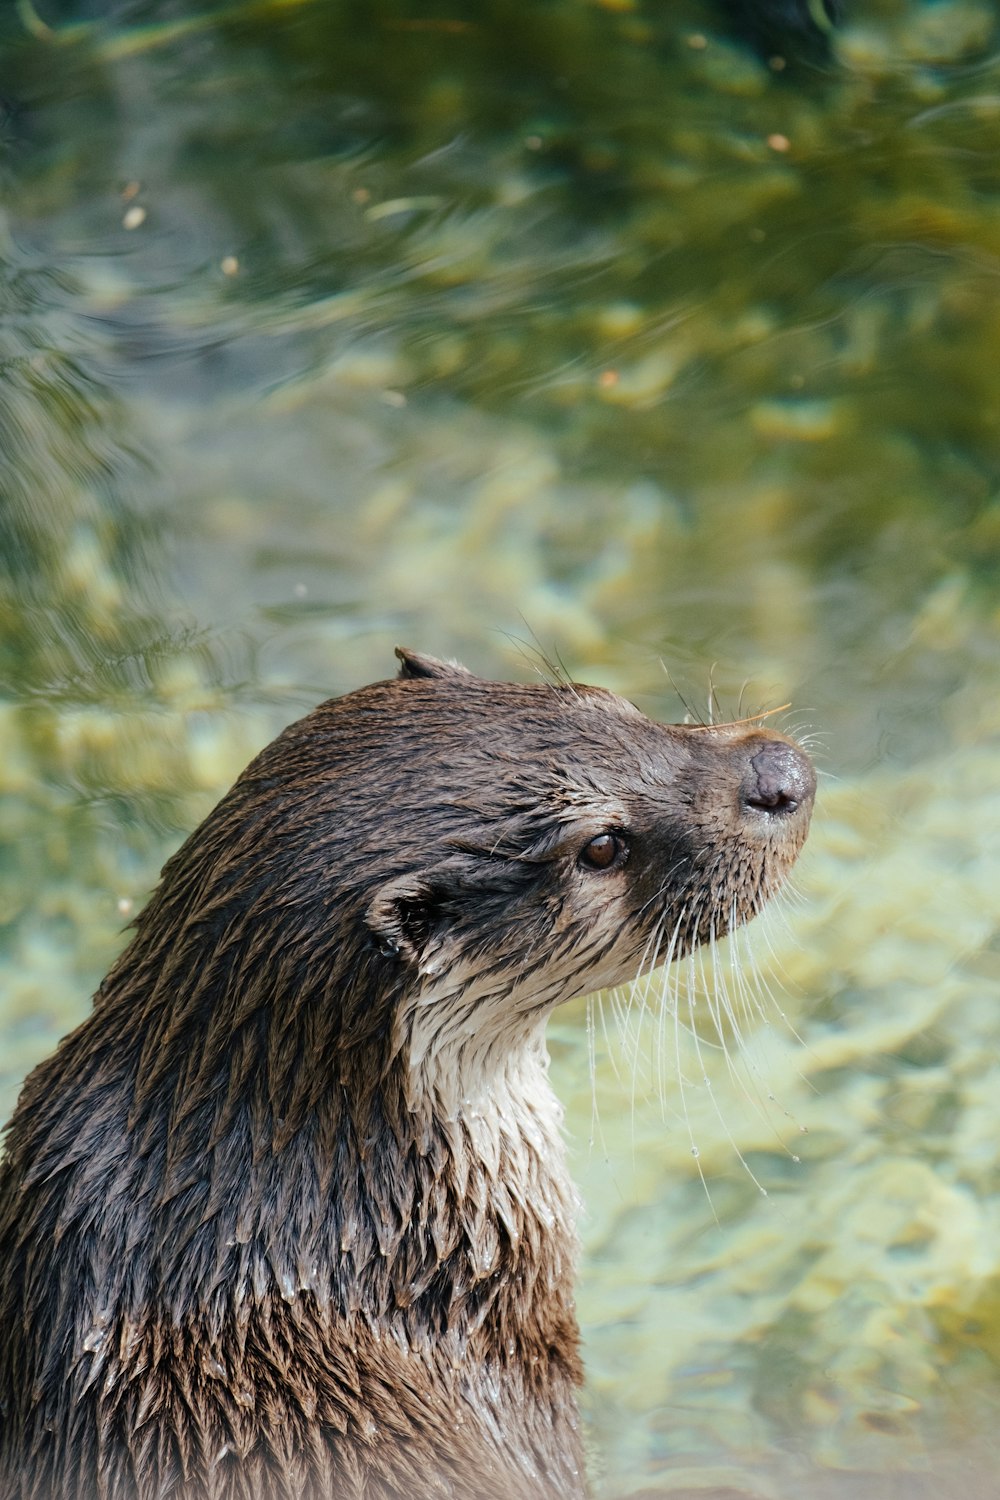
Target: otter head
(550,840)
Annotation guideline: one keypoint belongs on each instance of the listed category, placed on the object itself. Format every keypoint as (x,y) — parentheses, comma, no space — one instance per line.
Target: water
(323,328)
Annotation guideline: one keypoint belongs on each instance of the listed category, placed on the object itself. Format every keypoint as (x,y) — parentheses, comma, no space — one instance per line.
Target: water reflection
(324,328)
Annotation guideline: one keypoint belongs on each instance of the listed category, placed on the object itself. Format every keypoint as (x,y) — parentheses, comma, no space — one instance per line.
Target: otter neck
(409,1198)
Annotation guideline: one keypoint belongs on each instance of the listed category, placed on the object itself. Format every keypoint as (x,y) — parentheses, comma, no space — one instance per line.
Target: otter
(289,1214)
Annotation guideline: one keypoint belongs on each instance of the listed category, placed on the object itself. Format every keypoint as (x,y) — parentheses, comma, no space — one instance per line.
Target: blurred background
(621,331)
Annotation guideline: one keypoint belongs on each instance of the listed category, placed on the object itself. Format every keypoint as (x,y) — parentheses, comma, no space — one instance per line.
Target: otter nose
(780,780)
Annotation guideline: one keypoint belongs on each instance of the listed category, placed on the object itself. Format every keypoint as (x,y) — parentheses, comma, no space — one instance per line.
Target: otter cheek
(599,941)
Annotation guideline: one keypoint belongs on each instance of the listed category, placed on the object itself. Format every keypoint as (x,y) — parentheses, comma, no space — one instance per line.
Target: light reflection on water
(455,333)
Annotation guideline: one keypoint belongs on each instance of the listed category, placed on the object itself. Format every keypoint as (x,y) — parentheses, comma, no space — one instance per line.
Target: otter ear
(408,917)
(416,665)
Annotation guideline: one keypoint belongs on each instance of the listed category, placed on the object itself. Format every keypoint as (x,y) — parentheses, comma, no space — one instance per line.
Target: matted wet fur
(288,1215)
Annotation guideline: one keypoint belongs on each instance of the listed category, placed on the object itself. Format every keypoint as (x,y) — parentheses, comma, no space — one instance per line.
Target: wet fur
(289,1214)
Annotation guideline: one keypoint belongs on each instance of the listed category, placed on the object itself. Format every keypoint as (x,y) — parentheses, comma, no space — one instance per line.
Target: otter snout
(779,778)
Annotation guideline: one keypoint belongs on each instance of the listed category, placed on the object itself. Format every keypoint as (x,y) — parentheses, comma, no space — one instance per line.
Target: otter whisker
(768,1004)
(595,1114)
(669,987)
(641,986)
(734,1075)
(645,967)
(759,1096)
(685,1112)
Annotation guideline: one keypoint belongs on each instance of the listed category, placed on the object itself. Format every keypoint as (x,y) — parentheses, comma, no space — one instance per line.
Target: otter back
(289,1215)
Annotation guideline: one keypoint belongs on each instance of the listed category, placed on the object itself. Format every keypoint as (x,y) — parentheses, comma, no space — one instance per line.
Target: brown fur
(288,1215)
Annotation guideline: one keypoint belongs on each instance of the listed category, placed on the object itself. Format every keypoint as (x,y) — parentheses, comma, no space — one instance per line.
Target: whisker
(761,1096)
(715,1103)
(695,1152)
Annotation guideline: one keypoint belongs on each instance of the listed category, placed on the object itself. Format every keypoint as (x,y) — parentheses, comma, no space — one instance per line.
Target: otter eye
(605,850)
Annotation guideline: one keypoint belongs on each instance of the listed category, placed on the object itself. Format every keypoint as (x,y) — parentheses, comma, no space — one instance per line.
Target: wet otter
(288,1215)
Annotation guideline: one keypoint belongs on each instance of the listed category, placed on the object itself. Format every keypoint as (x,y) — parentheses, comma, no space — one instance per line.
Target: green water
(326,326)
